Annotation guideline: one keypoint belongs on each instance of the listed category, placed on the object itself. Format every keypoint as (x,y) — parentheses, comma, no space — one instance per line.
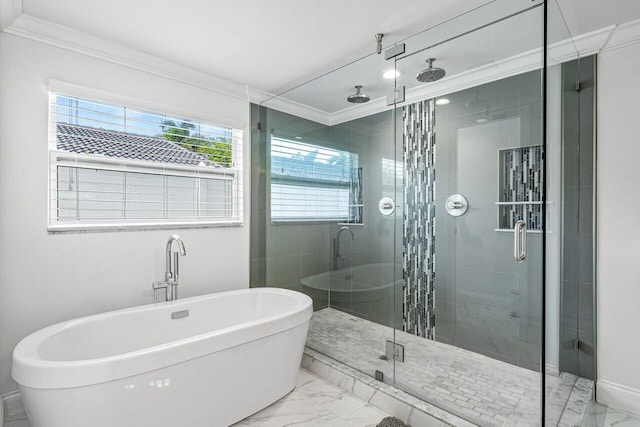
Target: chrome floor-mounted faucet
(172,273)
(337,258)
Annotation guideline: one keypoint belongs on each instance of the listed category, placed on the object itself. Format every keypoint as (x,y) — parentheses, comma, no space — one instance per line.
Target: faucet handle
(160,285)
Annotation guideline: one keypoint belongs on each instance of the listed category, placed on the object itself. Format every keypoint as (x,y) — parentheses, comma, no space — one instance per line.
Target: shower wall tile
(284,240)
(587,350)
(314,263)
(570,258)
(585,259)
(528,353)
(578,173)
(571,169)
(284,272)
(585,305)
(585,207)
(570,292)
(530,297)
(443,285)
(571,202)
(484,283)
(314,238)
(485,249)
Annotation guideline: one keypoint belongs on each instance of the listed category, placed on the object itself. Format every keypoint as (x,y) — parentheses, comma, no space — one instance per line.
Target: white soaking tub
(210,360)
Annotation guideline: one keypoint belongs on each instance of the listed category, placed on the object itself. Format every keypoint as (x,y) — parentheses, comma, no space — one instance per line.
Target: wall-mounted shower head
(430,74)
(358,98)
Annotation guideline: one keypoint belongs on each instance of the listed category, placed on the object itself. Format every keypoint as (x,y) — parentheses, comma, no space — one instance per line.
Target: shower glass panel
(326,166)
(472,255)
(417,220)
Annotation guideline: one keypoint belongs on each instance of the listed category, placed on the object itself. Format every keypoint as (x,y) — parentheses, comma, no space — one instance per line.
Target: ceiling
(274,45)
(264,44)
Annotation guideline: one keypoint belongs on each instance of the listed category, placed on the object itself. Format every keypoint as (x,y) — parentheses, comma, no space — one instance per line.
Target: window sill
(97,228)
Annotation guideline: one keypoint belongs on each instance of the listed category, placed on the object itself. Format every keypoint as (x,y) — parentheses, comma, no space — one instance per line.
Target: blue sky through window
(83,112)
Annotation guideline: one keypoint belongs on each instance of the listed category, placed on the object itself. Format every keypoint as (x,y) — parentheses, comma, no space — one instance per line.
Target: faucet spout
(172,272)
(336,246)
(178,240)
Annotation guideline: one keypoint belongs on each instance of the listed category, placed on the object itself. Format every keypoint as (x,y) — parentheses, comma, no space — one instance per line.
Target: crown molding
(298,109)
(29,27)
(611,37)
(623,35)
(32,28)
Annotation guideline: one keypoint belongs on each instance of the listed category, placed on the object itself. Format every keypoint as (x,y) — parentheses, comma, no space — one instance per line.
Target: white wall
(618,257)
(47,278)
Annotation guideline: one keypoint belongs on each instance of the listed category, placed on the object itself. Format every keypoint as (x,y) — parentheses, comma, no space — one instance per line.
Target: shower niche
(520,188)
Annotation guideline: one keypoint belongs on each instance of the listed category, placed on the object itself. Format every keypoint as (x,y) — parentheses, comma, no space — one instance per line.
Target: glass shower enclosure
(418,220)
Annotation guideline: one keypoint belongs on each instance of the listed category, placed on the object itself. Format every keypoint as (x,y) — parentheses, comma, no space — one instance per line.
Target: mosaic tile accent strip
(355,197)
(419,146)
(520,187)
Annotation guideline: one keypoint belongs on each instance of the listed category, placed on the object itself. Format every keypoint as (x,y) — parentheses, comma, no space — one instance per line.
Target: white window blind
(115,166)
(310,182)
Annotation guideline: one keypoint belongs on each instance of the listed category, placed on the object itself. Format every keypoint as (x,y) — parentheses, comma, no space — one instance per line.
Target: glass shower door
(472,232)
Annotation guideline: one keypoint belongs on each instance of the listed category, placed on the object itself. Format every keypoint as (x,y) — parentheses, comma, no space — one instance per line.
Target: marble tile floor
(313,403)
(316,402)
(483,390)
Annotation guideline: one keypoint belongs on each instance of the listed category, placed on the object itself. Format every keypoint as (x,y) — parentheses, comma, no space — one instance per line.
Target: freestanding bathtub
(210,360)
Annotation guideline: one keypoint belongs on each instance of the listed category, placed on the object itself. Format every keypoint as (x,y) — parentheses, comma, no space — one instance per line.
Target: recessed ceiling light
(442,101)
(482,120)
(391,74)
(298,137)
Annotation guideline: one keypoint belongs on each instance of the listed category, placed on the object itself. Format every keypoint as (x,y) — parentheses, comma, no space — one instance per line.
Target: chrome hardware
(379,43)
(172,272)
(386,206)
(394,351)
(160,285)
(392,52)
(337,258)
(179,314)
(520,241)
(456,205)
(397,96)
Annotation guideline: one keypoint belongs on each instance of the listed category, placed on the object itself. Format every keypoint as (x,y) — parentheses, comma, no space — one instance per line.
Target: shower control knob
(386,206)
(456,205)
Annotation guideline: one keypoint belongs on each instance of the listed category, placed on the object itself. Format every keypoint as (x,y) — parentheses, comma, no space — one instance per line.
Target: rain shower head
(358,98)
(430,74)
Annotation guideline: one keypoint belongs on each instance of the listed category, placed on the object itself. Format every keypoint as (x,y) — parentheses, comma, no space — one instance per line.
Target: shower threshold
(453,386)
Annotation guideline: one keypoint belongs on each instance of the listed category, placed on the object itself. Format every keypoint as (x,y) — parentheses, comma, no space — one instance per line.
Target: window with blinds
(113,166)
(311,182)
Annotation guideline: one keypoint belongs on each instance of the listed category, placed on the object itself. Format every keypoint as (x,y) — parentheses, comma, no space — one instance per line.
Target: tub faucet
(172,273)
(337,258)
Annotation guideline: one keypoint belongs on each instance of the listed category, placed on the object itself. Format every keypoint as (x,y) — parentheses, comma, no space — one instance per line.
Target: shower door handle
(520,241)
